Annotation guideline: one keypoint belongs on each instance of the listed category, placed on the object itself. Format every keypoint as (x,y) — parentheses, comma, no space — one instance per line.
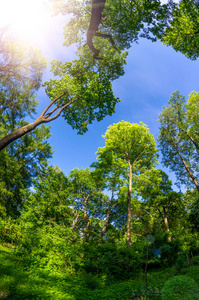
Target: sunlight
(25,17)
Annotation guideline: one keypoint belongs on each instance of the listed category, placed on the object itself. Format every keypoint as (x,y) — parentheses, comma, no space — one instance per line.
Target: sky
(153,72)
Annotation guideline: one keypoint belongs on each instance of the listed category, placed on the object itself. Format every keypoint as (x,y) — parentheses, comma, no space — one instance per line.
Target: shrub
(180,287)
(90,281)
(181,262)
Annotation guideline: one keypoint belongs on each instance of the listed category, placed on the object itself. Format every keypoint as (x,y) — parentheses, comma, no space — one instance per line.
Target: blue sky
(153,72)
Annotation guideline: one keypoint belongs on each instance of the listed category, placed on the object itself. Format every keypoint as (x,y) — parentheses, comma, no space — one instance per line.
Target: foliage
(124,21)
(90,84)
(22,161)
(178,138)
(182,33)
(21,70)
(180,287)
(129,150)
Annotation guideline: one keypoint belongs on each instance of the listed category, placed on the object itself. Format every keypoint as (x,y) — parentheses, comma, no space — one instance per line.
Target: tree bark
(86,223)
(45,117)
(96,16)
(191,138)
(128,229)
(107,216)
(166,223)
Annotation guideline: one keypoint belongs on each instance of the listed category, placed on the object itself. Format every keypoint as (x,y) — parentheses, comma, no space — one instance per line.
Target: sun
(26,18)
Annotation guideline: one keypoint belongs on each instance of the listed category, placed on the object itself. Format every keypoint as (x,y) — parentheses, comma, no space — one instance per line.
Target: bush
(90,281)
(180,287)
(181,262)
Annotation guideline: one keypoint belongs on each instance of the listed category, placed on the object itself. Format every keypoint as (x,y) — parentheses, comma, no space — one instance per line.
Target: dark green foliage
(181,262)
(180,287)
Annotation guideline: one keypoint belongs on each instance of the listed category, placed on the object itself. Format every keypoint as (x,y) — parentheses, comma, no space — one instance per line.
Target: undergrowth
(18,281)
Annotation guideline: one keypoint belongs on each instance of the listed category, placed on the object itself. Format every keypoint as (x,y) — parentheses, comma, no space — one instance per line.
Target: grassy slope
(17,283)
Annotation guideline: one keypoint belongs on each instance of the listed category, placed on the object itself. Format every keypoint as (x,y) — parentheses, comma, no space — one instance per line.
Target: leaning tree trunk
(45,117)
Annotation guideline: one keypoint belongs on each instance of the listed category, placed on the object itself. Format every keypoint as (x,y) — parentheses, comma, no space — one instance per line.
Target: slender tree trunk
(75,219)
(166,223)
(86,223)
(188,171)
(128,229)
(191,139)
(106,222)
(108,215)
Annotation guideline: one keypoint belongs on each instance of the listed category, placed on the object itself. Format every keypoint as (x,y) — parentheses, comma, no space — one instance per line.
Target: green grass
(18,283)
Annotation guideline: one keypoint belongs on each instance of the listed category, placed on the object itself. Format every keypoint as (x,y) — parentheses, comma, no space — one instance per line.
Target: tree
(20,64)
(121,22)
(87,201)
(21,70)
(48,203)
(112,185)
(178,139)
(131,149)
(155,189)
(84,94)
(191,198)
(182,33)
(20,162)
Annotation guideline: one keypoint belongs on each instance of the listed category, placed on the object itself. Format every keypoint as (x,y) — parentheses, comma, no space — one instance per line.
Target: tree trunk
(128,229)
(85,219)
(188,171)
(106,222)
(45,117)
(108,215)
(19,133)
(166,223)
(191,139)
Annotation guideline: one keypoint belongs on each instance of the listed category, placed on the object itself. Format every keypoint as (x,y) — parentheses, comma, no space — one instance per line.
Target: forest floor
(18,282)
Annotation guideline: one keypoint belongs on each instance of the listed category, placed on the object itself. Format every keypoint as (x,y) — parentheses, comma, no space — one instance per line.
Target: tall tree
(131,149)
(112,185)
(178,139)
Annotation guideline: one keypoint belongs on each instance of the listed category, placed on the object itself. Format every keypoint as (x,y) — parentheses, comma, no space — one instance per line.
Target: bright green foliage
(192,115)
(126,141)
(129,150)
(44,229)
(90,86)
(125,21)
(180,287)
(183,33)
(87,201)
(178,139)
(21,70)
(19,164)
(160,200)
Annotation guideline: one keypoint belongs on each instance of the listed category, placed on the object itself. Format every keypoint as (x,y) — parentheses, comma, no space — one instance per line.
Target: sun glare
(25,18)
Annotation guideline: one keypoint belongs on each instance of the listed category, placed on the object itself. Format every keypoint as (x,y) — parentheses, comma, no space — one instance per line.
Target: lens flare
(24,17)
